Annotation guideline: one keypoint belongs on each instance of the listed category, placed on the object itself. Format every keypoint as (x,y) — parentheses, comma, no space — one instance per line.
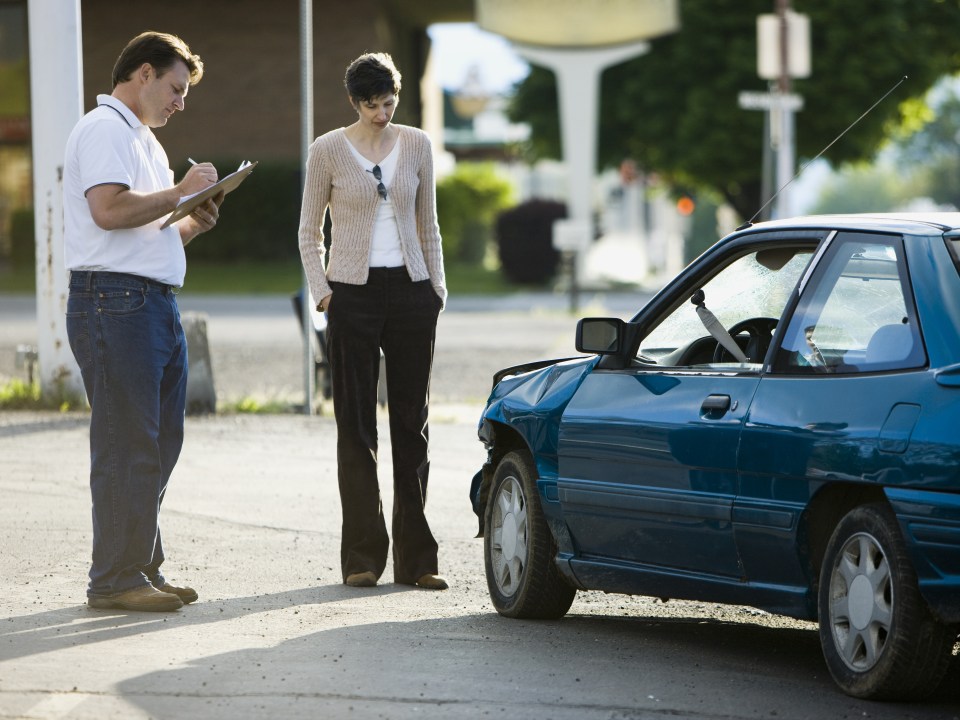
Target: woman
(382,288)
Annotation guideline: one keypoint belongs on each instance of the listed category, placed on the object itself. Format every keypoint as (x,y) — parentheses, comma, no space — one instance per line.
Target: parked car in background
(779,427)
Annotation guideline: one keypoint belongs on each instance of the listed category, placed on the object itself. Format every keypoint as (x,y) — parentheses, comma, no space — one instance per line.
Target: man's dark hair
(372,75)
(162,51)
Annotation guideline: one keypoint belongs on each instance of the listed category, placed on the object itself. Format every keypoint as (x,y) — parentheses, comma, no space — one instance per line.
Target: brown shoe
(186,594)
(432,582)
(146,598)
(361,579)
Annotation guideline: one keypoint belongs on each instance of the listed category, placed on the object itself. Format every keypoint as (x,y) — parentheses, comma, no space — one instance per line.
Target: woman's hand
(324,303)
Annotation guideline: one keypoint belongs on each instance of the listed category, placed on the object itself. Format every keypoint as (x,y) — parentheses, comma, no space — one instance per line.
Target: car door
(648,454)
(840,403)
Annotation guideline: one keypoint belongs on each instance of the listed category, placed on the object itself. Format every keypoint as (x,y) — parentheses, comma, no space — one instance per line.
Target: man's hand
(203,218)
(199,177)
(206,214)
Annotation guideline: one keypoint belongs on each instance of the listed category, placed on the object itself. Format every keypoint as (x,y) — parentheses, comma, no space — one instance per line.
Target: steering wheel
(760,332)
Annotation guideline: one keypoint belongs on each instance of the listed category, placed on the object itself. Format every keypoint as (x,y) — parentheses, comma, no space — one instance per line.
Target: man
(122,318)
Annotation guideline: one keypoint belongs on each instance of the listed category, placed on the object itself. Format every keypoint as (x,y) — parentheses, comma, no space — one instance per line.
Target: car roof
(905,223)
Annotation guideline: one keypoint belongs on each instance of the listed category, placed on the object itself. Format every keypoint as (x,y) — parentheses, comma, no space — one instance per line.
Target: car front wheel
(519,550)
(878,636)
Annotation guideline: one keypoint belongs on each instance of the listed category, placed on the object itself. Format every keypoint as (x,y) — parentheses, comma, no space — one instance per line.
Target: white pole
(56,105)
(578,88)
(306,137)
(785,152)
(785,162)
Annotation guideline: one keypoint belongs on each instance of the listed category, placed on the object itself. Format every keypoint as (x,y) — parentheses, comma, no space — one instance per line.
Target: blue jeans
(125,334)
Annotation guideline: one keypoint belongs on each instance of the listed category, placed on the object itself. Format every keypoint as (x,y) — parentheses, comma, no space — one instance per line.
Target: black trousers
(394,314)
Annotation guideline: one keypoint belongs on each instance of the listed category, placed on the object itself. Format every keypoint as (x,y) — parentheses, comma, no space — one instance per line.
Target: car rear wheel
(519,551)
(879,638)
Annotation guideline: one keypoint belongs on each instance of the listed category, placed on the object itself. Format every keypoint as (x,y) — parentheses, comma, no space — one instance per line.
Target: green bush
(525,241)
(22,237)
(259,220)
(468,201)
(702,232)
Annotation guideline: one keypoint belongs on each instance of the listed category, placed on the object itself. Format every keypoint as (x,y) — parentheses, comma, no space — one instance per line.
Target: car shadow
(479,665)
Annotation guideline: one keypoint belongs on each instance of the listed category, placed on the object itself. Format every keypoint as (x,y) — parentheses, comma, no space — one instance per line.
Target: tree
(933,152)
(861,188)
(675,109)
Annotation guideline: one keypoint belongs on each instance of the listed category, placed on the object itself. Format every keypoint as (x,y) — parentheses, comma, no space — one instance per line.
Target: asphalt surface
(251,521)
(256,346)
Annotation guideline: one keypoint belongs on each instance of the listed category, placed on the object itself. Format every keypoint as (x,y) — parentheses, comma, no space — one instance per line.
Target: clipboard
(189,203)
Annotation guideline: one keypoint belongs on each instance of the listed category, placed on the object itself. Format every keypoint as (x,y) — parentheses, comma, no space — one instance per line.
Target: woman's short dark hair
(162,51)
(371,75)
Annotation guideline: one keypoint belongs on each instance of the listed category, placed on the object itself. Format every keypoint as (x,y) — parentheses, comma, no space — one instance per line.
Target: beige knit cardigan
(336,179)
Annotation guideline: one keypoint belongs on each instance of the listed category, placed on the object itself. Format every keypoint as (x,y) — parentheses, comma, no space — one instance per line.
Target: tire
(879,639)
(519,550)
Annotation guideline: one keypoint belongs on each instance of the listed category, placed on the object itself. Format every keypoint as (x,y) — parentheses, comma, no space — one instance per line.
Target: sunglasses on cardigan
(381,188)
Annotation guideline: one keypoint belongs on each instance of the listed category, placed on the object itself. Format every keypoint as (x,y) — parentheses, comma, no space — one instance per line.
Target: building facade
(248,103)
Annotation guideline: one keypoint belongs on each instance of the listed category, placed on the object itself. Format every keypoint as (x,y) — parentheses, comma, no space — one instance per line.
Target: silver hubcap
(508,546)
(861,602)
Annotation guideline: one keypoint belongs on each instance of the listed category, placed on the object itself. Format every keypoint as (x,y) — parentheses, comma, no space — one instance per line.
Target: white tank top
(385,243)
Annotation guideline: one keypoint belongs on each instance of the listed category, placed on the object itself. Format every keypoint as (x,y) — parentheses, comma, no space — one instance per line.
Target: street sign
(770,33)
(768,101)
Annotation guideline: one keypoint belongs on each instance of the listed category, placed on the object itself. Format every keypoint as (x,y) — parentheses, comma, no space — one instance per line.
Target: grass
(19,395)
(17,279)
(274,277)
(253,406)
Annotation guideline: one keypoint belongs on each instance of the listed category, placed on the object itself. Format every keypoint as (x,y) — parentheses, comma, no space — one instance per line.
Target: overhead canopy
(578,23)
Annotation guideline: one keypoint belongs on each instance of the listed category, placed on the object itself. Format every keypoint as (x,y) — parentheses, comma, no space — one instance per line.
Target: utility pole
(56,104)
(783,53)
(786,151)
(306,137)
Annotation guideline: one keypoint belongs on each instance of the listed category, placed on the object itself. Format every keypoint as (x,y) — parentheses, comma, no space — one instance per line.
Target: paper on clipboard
(189,203)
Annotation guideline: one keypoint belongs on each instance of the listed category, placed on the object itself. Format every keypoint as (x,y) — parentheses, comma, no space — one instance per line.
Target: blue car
(779,427)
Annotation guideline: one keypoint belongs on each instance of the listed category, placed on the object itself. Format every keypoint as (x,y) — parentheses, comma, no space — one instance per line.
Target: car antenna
(809,162)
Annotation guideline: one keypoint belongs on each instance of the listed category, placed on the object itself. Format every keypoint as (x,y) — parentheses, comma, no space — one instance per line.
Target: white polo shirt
(111,146)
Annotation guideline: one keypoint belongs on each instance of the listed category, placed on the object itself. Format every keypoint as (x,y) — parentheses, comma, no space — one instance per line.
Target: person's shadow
(80,625)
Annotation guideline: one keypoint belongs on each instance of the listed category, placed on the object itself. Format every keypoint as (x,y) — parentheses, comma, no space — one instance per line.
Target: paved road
(252,521)
(256,347)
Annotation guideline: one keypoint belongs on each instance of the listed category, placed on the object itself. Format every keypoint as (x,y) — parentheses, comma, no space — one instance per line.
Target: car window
(856,314)
(954,245)
(752,286)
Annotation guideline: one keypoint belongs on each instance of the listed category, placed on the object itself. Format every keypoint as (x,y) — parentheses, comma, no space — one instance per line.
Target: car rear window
(954,245)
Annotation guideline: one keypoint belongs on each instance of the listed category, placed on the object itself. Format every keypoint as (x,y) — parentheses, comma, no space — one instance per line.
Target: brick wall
(248,103)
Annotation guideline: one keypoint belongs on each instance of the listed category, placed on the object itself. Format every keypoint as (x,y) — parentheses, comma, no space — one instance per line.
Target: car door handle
(715,405)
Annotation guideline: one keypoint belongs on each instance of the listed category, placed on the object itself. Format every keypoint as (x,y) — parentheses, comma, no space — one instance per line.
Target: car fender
(532,404)
(524,410)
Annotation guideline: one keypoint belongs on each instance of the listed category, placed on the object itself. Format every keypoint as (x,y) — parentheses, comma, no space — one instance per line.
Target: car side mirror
(602,336)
